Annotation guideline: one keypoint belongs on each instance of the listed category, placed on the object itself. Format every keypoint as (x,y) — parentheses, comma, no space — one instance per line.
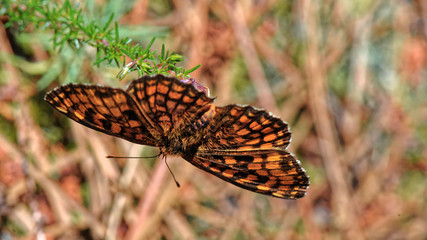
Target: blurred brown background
(348,76)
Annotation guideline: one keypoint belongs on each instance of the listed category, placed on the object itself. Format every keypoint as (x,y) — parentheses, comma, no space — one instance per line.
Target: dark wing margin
(108,110)
(272,172)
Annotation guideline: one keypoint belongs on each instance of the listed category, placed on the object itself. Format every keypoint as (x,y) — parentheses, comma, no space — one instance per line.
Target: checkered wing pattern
(108,110)
(272,172)
(167,102)
(244,127)
(246,147)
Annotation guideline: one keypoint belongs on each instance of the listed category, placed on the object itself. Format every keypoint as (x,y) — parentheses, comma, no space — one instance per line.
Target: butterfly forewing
(104,109)
(272,172)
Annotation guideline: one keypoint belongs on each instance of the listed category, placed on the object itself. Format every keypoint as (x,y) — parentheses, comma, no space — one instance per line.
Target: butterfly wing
(272,172)
(167,102)
(246,147)
(108,110)
(244,127)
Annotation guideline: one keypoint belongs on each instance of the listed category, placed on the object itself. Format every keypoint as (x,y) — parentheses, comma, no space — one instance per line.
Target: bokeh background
(348,76)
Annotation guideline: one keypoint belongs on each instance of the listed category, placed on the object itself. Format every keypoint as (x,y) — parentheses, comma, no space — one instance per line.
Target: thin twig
(146,203)
(248,51)
(328,143)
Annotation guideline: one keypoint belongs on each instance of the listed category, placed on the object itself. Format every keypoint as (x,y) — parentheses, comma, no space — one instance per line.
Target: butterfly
(239,144)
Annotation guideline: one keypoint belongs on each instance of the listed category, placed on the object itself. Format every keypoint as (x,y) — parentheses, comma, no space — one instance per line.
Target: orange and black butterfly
(239,144)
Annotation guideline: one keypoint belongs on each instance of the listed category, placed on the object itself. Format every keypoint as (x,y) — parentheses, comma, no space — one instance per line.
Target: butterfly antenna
(177,183)
(112,156)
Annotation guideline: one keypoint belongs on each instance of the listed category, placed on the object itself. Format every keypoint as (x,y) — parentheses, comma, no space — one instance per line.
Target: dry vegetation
(348,76)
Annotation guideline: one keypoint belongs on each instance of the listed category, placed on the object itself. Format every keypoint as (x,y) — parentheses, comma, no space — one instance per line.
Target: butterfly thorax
(186,136)
(181,143)
(179,146)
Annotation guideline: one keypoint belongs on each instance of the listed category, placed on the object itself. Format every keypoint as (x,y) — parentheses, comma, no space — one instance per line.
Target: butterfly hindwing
(272,172)
(104,109)
(168,101)
(244,127)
